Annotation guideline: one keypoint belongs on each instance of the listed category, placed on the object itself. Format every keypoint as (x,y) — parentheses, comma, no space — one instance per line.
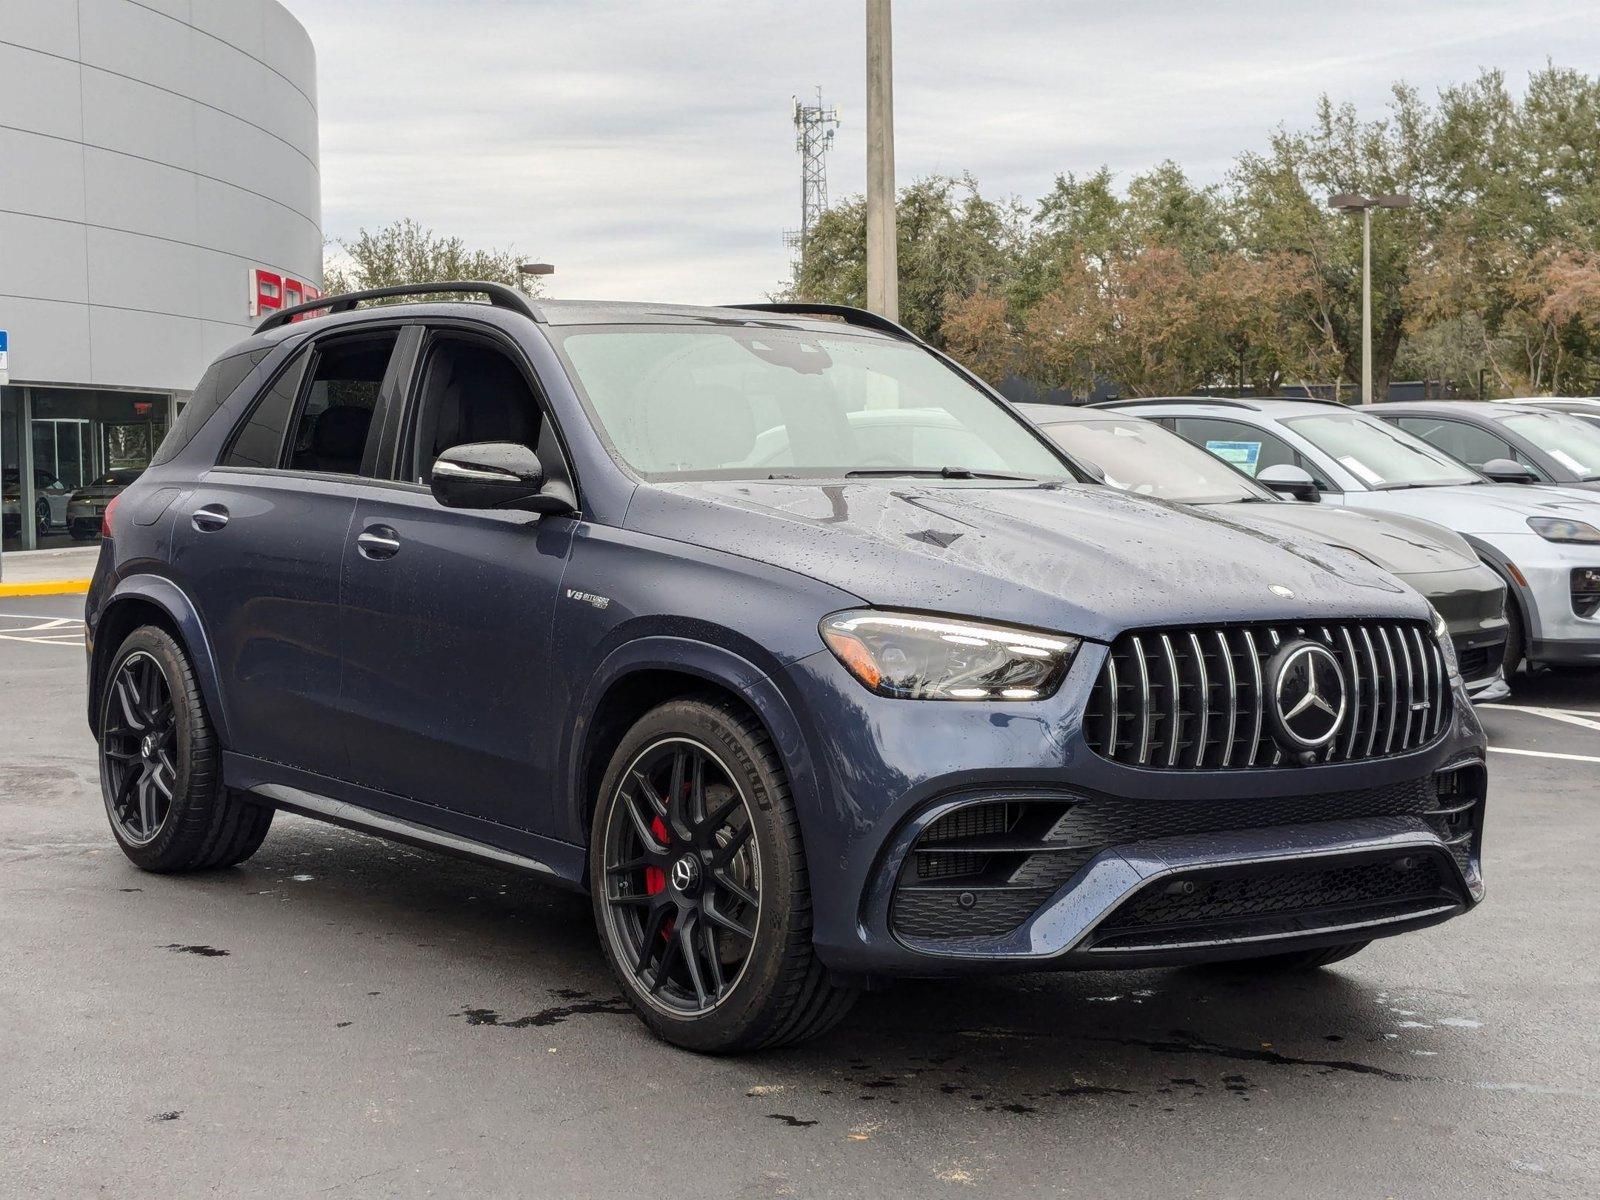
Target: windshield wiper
(940,473)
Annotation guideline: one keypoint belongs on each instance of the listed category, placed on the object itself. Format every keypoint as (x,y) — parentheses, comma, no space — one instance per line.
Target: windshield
(678,403)
(1379,455)
(1140,456)
(1573,443)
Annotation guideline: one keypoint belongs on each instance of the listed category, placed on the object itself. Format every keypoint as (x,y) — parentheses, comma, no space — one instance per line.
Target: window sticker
(1361,471)
(1570,463)
(1244,455)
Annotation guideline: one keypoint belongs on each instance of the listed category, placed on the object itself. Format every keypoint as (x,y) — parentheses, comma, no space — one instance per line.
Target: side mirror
(1505,470)
(1295,483)
(496,475)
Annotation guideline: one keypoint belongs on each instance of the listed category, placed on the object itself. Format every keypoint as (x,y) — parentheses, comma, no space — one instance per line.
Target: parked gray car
(1510,443)
(1544,542)
(87,505)
(1141,457)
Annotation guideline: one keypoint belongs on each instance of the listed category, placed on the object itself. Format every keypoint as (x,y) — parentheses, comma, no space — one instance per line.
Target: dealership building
(159,191)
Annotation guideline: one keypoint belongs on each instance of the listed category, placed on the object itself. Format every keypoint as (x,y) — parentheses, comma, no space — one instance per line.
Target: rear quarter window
(216,385)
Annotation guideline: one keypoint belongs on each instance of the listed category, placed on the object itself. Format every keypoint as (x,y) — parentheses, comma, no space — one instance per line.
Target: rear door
(447,613)
(258,546)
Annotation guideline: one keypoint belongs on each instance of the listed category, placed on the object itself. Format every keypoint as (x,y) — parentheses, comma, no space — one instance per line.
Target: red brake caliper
(655,879)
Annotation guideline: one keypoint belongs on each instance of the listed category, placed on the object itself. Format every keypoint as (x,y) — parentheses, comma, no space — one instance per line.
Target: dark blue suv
(779,633)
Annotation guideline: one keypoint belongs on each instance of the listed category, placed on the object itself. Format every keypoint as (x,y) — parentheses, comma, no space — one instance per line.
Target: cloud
(646,147)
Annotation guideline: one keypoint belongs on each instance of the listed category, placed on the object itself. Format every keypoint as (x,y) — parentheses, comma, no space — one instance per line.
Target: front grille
(986,867)
(1197,699)
(1199,907)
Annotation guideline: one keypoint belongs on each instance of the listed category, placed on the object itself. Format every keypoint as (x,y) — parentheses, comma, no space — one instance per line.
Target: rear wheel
(160,765)
(41,518)
(700,888)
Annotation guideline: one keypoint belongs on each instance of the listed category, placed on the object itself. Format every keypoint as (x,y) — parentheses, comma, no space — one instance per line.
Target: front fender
(166,595)
(715,664)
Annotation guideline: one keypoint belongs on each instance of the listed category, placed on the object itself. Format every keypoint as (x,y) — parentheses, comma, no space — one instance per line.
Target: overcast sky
(646,148)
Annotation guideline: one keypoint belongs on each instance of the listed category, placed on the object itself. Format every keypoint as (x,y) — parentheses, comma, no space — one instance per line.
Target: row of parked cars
(1490,509)
(57,506)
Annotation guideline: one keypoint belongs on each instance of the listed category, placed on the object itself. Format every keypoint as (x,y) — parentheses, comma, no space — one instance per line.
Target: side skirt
(399,819)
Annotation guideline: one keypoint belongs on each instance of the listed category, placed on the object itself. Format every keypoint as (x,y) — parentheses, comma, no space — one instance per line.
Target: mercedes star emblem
(1308,694)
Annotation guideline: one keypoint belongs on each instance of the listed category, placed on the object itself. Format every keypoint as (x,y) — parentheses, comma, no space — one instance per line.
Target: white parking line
(1590,758)
(1552,714)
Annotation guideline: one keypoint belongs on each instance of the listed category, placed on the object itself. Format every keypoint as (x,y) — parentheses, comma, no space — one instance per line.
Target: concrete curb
(45,587)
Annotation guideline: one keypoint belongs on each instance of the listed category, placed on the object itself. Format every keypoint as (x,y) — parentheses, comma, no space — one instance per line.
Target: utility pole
(883,280)
(813,137)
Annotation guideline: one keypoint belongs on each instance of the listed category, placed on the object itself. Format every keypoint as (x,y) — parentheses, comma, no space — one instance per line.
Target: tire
(776,993)
(161,758)
(1297,960)
(41,518)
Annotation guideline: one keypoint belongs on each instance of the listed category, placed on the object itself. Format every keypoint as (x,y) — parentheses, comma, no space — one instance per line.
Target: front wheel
(700,888)
(160,765)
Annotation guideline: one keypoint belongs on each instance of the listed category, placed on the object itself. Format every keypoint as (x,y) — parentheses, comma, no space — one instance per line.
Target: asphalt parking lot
(347,1017)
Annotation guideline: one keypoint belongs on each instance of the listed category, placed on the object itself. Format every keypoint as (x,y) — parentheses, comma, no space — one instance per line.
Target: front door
(447,613)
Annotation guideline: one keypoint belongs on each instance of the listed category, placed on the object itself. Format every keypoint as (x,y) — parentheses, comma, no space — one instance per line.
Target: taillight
(105,517)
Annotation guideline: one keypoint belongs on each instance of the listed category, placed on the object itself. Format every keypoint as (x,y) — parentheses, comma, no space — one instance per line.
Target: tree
(976,331)
(404,252)
(951,242)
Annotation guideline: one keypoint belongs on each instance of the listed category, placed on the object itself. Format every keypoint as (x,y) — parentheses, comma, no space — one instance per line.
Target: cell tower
(813,128)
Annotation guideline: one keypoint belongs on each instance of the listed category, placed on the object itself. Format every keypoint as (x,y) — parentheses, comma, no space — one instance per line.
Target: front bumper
(1556,633)
(896,768)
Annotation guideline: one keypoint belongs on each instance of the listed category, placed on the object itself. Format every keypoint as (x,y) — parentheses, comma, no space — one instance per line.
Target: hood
(1403,544)
(1082,559)
(1485,508)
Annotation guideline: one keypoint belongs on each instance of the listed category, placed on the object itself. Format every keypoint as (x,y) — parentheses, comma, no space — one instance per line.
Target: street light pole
(883,282)
(1348,202)
(1366,305)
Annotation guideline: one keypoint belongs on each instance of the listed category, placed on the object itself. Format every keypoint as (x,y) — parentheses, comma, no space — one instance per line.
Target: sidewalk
(47,572)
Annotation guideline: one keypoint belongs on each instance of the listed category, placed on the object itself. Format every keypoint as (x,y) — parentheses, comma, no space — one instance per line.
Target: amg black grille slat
(1197,699)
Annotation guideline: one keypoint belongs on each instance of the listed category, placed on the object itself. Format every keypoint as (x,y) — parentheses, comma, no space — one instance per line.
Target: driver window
(470,392)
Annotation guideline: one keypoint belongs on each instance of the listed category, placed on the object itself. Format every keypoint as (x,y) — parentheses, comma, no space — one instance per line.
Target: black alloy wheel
(138,748)
(160,764)
(682,887)
(41,517)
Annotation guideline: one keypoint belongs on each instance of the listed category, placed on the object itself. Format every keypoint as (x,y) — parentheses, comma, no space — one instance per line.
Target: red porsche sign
(271,291)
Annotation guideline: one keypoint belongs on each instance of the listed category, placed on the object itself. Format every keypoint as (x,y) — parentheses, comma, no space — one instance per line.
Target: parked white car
(1544,542)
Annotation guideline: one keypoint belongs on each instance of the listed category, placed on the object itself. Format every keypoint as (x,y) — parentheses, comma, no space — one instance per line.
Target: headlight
(1558,529)
(911,657)
(1447,646)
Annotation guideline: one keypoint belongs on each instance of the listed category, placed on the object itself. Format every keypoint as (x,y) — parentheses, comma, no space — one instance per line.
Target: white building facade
(159,188)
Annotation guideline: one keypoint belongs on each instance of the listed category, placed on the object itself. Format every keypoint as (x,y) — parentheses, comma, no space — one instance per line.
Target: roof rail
(1218,400)
(500,296)
(849,314)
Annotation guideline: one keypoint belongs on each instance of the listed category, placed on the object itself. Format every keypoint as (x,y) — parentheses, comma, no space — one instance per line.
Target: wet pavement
(348,1017)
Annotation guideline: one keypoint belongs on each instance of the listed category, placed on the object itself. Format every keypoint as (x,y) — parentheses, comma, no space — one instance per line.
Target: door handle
(378,542)
(209,518)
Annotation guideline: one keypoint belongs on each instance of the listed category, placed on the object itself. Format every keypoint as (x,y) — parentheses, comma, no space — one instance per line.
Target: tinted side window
(331,429)
(470,393)
(216,385)
(1468,443)
(1247,447)
(259,441)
